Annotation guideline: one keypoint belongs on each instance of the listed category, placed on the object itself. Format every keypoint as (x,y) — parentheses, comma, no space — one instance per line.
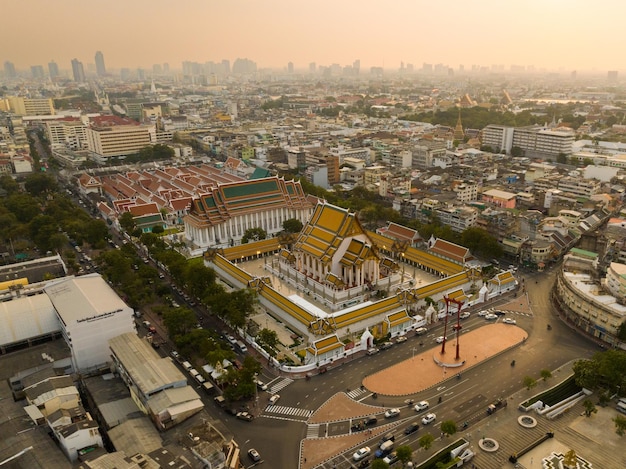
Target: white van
(621,406)
(421,330)
(187,366)
(199,378)
(193,372)
(241,346)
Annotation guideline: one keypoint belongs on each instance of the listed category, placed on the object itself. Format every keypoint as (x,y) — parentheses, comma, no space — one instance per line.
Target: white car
(422,405)
(483,313)
(392,413)
(440,339)
(429,418)
(372,351)
(509,321)
(274,399)
(490,317)
(361,453)
(401,338)
(465,315)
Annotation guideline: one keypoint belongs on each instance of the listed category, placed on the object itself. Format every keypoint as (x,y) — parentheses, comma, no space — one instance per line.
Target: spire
(459,133)
(152,87)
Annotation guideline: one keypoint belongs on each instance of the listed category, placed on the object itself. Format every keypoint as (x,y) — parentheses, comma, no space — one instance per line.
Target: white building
(90,313)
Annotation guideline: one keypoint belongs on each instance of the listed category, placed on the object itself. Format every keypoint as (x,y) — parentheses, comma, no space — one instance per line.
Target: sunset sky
(551,34)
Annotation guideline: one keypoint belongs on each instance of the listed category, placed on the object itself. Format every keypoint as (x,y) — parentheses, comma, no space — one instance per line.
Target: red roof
(109,121)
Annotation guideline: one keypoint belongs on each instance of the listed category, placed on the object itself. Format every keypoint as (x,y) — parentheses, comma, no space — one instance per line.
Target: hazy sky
(554,34)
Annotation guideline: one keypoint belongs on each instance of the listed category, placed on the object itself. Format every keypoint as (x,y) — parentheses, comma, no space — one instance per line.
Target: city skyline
(546,34)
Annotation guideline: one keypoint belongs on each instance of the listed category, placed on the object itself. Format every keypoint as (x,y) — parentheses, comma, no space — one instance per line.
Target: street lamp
(256,392)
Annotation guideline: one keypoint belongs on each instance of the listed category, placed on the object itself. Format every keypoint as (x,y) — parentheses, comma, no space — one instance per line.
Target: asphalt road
(463,400)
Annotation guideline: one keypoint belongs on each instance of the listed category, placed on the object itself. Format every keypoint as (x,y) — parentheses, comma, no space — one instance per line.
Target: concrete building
(156,385)
(100,68)
(68,132)
(457,218)
(112,136)
(30,106)
(90,313)
(535,141)
(78,72)
(425,152)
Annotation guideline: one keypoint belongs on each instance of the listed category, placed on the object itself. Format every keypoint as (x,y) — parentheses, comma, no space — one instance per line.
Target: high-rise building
(37,71)
(9,69)
(312,67)
(290,67)
(226,66)
(100,68)
(78,71)
(157,69)
(612,75)
(141,74)
(356,66)
(53,70)
(166,68)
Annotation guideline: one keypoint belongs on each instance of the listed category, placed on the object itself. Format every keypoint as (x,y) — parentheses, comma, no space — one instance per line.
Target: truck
(498,404)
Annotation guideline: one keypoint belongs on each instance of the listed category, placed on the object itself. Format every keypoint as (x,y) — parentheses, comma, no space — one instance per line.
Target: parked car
(483,313)
(428,418)
(254,455)
(509,321)
(400,338)
(412,428)
(422,405)
(465,315)
(421,330)
(490,317)
(274,399)
(391,413)
(440,339)
(386,345)
(261,385)
(372,351)
(361,453)
(499,313)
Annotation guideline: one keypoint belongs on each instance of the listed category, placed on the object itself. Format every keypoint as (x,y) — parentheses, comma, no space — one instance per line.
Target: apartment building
(68,132)
(425,152)
(498,137)
(363,154)
(466,192)
(30,106)
(536,141)
(457,218)
(579,187)
(112,136)
(499,198)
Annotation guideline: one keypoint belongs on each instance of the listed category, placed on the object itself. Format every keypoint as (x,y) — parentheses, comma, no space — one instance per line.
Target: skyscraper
(9,69)
(290,67)
(78,71)
(37,71)
(100,68)
(53,70)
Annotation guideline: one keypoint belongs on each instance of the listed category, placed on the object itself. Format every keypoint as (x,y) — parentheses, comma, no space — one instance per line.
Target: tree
(517,151)
(620,425)
(545,374)
(40,183)
(621,332)
(292,225)
(448,427)
(379,464)
(179,321)
(404,453)
(426,441)
(127,221)
(529,382)
(253,234)
(268,339)
(9,184)
(158,229)
(96,232)
(590,408)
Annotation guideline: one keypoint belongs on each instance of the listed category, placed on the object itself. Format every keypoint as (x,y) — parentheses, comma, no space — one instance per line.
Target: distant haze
(547,34)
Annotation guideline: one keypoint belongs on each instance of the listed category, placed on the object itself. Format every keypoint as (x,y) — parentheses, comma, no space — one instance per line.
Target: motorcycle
(513,363)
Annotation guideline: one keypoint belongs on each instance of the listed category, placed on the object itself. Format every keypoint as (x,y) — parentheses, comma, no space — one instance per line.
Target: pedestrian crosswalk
(356,393)
(510,312)
(283,383)
(284,410)
(313,431)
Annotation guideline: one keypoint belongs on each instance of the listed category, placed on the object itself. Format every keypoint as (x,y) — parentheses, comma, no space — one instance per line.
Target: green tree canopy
(179,321)
(448,427)
(404,453)
(253,234)
(292,225)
